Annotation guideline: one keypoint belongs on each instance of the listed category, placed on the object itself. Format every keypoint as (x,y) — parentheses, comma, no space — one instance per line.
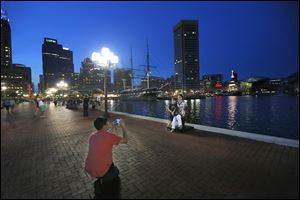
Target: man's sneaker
(172,130)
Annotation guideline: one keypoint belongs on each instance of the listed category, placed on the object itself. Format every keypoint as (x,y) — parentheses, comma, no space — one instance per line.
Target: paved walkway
(44,158)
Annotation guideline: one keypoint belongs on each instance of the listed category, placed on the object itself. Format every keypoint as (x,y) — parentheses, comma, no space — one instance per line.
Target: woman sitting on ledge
(179,118)
(172,109)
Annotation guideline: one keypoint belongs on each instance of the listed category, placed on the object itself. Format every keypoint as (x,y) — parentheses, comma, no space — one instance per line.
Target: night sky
(253,38)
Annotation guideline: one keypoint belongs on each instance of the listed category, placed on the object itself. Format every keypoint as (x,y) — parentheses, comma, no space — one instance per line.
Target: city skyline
(253,38)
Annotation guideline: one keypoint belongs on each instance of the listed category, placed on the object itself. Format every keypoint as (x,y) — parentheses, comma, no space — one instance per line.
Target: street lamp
(105,59)
(51,91)
(4,88)
(62,85)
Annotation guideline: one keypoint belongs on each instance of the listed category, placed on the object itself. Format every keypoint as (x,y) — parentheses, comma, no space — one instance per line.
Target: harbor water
(268,115)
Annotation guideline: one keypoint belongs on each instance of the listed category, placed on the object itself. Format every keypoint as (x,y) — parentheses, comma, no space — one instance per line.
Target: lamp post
(105,59)
(62,85)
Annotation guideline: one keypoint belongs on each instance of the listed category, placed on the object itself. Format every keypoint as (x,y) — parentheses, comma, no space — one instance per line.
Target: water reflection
(232,112)
(218,110)
(193,104)
(112,105)
(276,116)
(247,108)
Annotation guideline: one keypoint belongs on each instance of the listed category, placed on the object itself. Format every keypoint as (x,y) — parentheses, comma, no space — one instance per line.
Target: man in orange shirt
(99,162)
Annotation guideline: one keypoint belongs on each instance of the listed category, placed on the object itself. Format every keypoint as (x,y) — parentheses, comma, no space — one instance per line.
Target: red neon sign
(218,85)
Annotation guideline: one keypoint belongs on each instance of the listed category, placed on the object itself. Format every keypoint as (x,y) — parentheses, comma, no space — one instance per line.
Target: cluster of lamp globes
(61,85)
(105,58)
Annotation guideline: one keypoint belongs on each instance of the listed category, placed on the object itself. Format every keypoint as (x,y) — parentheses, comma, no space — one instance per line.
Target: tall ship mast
(131,66)
(148,67)
(142,93)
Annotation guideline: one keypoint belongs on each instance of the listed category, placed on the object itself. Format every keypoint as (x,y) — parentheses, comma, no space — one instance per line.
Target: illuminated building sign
(218,85)
(51,41)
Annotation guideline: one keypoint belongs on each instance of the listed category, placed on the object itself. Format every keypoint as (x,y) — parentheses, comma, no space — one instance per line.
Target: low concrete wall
(252,136)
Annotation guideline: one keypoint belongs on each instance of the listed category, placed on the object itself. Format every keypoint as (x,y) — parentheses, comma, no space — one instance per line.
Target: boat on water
(194,96)
(139,94)
(234,93)
(149,93)
(186,96)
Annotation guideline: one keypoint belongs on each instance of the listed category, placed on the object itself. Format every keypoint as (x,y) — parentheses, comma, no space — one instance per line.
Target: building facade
(91,77)
(17,79)
(57,63)
(186,54)
(211,82)
(233,83)
(122,79)
(6,50)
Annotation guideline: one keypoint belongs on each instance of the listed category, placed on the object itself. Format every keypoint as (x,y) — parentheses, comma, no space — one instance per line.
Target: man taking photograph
(99,162)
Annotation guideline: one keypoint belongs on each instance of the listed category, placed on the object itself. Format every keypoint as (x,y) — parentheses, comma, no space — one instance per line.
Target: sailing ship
(149,93)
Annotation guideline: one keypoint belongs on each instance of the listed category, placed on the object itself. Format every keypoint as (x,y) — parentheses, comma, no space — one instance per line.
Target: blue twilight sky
(253,38)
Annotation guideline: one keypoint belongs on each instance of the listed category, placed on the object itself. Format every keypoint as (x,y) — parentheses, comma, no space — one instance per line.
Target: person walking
(42,107)
(55,102)
(36,104)
(85,106)
(6,105)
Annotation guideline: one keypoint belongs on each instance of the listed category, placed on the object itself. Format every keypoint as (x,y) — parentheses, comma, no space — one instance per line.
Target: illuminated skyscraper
(186,54)
(6,55)
(16,77)
(57,63)
(92,77)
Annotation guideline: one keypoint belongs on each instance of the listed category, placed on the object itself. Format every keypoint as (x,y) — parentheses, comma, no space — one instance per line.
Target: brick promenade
(44,158)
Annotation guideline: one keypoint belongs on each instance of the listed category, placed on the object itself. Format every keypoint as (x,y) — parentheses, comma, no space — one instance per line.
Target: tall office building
(6,55)
(17,78)
(186,54)
(92,77)
(57,63)
(41,83)
(75,81)
(122,79)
